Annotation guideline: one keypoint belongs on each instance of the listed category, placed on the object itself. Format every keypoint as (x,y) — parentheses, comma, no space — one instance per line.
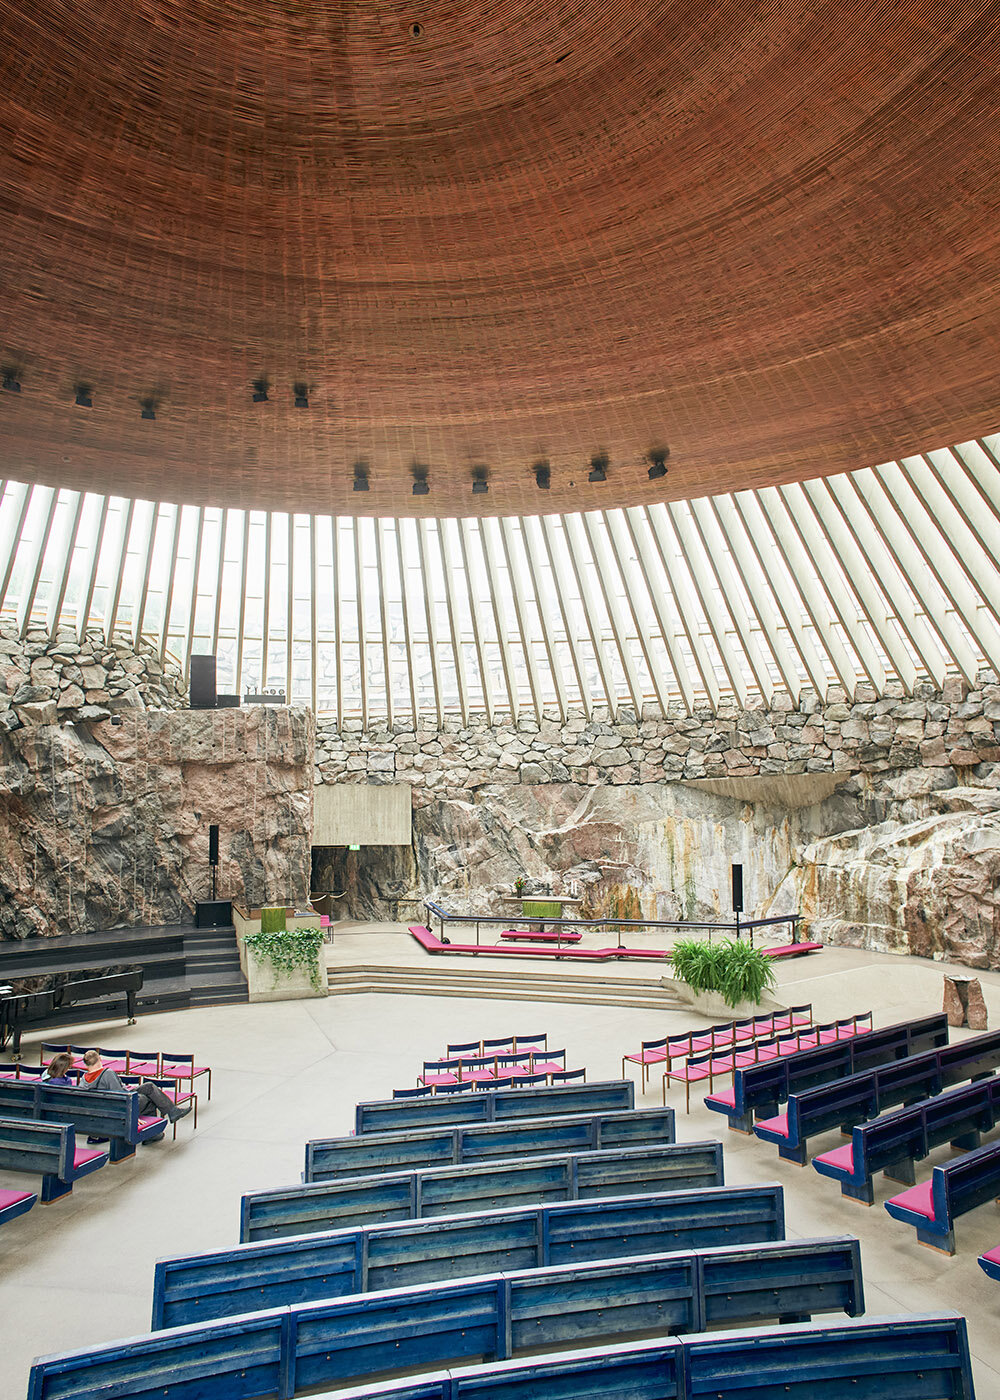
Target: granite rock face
(929,886)
(105,826)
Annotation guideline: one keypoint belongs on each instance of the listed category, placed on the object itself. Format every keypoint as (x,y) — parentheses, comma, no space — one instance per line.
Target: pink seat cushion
(728,1097)
(841,1157)
(439,1079)
(775,1125)
(703,1043)
(917,1198)
(993,1255)
(184,1071)
(747,1059)
(12,1198)
(83,1155)
(477,1076)
(143,1067)
(688,1075)
(150,1122)
(548,1067)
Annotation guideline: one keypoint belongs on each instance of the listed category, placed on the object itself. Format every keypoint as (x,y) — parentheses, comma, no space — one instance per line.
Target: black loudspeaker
(202,682)
(215,913)
(213,845)
(737,889)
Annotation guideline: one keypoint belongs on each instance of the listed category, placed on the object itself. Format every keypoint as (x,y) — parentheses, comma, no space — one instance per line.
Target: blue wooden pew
(494,1316)
(912,1358)
(398,1115)
(570,1176)
(368,1259)
(843,1102)
(954,1188)
(48,1150)
(759,1089)
(892,1143)
(920,1358)
(92,1112)
(329,1159)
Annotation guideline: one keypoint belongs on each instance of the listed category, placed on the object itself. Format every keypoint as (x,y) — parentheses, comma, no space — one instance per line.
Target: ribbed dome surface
(764,234)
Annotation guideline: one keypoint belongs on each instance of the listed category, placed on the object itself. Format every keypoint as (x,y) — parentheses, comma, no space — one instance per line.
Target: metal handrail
(738,926)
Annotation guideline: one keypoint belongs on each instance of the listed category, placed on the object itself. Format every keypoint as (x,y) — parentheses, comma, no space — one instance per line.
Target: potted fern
(725,977)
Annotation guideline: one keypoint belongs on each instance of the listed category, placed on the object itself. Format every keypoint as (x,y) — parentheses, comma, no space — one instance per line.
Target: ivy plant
(288,951)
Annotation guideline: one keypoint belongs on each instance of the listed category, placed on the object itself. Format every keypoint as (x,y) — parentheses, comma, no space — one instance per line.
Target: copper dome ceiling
(488,235)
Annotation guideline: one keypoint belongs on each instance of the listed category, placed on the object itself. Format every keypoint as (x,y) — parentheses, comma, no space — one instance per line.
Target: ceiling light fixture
(148,406)
(420,484)
(301,392)
(361,476)
(260,388)
(658,462)
(10,380)
(543,476)
(599,464)
(480,481)
(83,396)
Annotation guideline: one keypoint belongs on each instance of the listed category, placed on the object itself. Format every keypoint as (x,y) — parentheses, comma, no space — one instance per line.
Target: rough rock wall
(105,825)
(49,680)
(899,857)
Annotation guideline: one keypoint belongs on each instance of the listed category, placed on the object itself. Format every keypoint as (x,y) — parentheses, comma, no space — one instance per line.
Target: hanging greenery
(288,951)
(732,968)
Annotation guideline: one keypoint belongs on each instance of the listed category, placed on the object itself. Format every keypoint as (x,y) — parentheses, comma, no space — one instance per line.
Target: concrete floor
(79,1271)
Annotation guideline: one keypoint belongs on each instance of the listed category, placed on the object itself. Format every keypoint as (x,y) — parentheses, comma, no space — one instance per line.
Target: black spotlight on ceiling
(9,379)
(361,476)
(147,404)
(260,388)
(420,483)
(599,467)
(543,476)
(301,392)
(658,462)
(84,394)
(480,481)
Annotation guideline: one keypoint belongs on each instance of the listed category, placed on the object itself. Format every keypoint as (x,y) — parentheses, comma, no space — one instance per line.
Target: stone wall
(105,825)
(46,680)
(897,850)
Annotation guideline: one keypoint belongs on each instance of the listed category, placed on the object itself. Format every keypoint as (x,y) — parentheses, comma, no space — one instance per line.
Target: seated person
(57,1071)
(153,1102)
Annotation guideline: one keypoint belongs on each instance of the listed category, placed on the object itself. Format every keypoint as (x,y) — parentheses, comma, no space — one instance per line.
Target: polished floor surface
(80,1271)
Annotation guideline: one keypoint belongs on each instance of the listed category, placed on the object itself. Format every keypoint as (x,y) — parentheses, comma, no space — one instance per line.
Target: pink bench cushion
(151,1122)
(918,1198)
(775,1125)
(728,1097)
(13,1198)
(841,1157)
(993,1255)
(185,1071)
(83,1155)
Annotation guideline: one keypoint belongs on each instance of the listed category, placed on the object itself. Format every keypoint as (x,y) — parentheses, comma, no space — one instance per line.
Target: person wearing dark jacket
(152,1099)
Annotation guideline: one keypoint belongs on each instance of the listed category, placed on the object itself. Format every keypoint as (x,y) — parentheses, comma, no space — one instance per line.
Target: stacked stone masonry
(893,747)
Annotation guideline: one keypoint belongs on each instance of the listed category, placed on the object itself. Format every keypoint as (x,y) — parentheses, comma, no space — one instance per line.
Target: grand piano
(21,1008)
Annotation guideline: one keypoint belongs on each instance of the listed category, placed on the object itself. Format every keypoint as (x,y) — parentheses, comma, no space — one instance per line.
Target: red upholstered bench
(15,1203)
(528,935)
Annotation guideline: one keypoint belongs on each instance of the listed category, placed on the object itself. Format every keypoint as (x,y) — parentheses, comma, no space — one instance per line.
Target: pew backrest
(494,1315)
(452,1190)
(389,1115)
(928,1358)
(45,1149)
(364,1259)
(332,1158)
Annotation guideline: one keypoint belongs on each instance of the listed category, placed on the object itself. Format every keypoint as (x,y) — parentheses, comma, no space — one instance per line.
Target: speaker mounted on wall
(202,682)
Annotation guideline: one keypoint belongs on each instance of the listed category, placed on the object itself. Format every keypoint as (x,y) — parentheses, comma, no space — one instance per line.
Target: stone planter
(265,982)
(712,1003)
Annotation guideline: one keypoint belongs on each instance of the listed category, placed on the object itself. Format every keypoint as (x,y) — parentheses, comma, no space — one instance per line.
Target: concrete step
(503,986)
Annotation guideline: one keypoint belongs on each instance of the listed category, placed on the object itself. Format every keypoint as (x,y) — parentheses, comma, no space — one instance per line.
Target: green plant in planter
(288,950)
(733,969)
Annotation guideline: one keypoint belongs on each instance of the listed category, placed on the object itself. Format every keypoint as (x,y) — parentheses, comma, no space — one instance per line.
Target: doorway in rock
(370,882)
